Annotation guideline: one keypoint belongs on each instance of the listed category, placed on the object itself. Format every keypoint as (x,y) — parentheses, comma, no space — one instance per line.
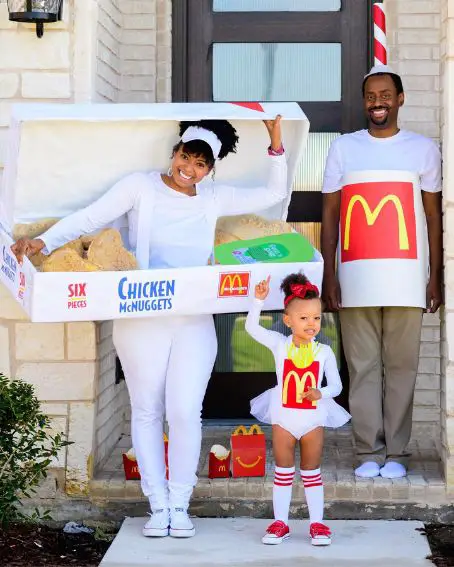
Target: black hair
(298,279)
(395,78)
(223,130)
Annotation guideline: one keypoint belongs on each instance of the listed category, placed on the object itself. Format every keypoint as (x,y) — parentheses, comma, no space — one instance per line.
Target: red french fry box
(166,454)
(248,451)
(218,467)
(131,467)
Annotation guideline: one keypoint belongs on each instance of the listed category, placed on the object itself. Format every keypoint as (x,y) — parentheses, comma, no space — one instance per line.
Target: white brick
(428,382)
(419,21)
(60,380)
(419,7)
(138,37)
(429,365)
(426,414)
(25,51)
(415,52)
(138,52)
(429,350)
(5,360)
(81,341)
(46,85)
(431,68)
(54,409)
(418,37)
(80,454)
(138,6)
(9,84)
(139,22)
(40,341)
(449,268)
(427,398)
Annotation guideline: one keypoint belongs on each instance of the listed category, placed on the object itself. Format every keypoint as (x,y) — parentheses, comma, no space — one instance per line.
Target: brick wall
(112,401)
(414,32)
(447,122)
(108,57)
(134,51)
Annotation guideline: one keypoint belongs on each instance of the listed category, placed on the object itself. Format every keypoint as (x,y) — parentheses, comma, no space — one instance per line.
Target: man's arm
(329,238)
(432,209)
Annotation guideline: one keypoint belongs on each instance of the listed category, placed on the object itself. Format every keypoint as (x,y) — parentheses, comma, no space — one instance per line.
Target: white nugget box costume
(383,257)
(63,157)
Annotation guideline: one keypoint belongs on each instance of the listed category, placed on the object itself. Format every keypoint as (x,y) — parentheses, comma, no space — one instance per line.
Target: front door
(311,51)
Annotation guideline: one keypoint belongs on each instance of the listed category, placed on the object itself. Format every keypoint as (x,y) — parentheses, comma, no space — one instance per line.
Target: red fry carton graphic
(219,462)
(131,467)
(248,451)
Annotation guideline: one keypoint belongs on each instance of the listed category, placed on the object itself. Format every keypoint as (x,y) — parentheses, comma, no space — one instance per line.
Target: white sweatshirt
(180,228)
(278,343)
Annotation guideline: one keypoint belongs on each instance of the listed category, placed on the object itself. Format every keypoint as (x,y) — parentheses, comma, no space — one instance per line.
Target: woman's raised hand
(262,289)
(274,130)
(26,247)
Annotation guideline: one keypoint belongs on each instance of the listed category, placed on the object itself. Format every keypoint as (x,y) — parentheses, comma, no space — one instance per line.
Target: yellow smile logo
(251,466)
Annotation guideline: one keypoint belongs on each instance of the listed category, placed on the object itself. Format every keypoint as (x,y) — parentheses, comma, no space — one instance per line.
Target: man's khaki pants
(381,345)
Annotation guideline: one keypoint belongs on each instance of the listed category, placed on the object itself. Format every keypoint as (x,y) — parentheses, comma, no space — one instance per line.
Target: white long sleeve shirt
(278,345)
(180,228)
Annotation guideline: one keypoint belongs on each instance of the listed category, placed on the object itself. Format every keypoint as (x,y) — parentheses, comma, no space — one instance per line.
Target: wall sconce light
(37,12)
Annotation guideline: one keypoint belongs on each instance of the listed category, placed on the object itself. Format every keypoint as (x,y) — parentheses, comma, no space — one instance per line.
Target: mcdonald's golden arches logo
(234,284)
(295,382)
(378,221)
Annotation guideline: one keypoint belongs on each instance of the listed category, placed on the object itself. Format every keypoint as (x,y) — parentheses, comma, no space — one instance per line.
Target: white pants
(167,363)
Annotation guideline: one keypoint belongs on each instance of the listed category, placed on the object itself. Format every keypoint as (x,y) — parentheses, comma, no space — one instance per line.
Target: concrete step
(236,542)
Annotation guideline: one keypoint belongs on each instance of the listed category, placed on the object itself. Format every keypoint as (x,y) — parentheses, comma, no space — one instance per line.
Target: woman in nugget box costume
(168,361)
(298,407)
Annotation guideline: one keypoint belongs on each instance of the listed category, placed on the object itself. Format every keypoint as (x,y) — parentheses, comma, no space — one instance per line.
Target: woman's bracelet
(278,152)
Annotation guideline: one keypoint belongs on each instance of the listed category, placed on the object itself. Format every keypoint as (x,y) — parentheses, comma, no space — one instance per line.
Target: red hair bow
(300,291)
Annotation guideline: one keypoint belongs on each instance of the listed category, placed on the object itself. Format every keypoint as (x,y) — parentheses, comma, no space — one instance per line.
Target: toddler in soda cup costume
(298,407)
(168,361)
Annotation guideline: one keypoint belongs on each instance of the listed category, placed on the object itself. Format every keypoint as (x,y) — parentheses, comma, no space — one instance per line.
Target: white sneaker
(393,470)
(158,524)
(370,469)
(180,523)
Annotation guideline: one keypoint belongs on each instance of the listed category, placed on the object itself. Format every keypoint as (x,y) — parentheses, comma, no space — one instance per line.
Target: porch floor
(423,485)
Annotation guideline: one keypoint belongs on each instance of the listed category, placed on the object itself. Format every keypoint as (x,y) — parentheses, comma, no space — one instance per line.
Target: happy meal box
(219,462)
(106,142)
(131,467)
(248,451)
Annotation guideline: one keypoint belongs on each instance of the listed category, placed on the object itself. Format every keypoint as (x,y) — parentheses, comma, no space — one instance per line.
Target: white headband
(196,133)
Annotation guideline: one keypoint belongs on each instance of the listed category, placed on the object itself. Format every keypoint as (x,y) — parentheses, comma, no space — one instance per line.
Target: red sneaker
(320,534)
(276,533)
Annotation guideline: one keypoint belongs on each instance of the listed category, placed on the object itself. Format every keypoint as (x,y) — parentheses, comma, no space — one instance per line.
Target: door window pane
(276,72)
(276,5)
(309,175)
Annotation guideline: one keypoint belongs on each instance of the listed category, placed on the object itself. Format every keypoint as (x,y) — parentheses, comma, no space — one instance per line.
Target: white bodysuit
(296,372)
(168,361)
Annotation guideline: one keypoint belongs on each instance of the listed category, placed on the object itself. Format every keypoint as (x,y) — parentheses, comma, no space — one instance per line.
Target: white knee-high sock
(313,489)
(282,492)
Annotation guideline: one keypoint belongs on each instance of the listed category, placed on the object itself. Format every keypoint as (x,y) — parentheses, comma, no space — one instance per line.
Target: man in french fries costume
(382,189)
(168,361)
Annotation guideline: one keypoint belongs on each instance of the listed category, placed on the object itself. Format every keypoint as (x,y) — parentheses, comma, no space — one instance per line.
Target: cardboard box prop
(383,256)
(104,143)
(248,451)
(219,462)
(131,467)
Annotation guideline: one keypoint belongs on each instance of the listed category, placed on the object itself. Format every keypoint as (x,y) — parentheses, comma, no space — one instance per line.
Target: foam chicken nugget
(107,251)
(248,227)
(67,259)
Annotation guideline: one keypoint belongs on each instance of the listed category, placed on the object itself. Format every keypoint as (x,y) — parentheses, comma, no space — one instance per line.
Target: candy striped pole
(380,48)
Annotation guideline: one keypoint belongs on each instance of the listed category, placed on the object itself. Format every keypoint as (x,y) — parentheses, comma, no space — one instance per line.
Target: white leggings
(167,363)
